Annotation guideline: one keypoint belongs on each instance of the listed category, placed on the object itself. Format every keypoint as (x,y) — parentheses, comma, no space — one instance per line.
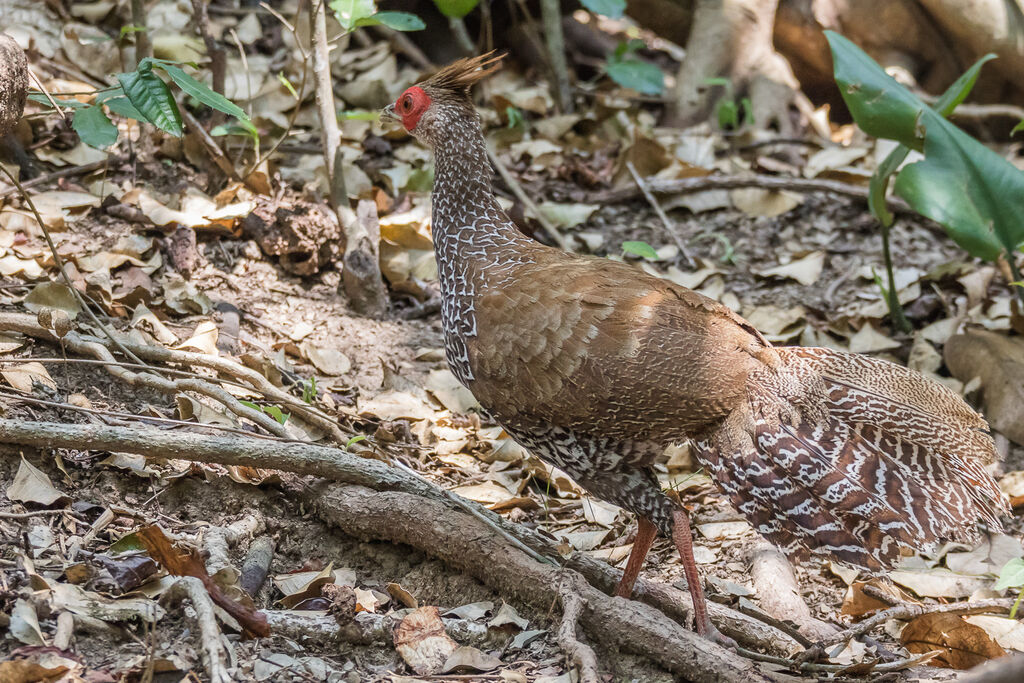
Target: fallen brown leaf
(963,645)
(999,362)
(421,640)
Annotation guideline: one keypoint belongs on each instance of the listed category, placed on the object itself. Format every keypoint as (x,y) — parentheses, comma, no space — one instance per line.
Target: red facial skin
(410,106)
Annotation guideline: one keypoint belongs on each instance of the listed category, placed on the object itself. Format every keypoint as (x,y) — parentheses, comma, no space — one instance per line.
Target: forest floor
(139,242)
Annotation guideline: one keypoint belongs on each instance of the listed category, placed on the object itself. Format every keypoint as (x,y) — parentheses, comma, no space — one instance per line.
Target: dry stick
(27,324)
(77,343)
(468,546)
(34,513)
(142,44)
(554,38)
(909,611)
(209,144)
(218,56)
(60,266)
(339,465)
(521,195)
(668,223)
(572,608)
(732,182)
(209,638)
(70,172)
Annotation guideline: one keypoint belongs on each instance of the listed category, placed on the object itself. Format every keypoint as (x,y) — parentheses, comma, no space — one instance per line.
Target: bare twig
(59,261)
(68,172)
(521,195)
(581,654)
(729,182)
(209,144)
(27,324)
(668,223)
(143,48)
(910,610)
(33,513)
(218,56)
(209,639)
(551,16)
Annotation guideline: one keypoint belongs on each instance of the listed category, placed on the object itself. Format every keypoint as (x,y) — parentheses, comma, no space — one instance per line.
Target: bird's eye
(407,102)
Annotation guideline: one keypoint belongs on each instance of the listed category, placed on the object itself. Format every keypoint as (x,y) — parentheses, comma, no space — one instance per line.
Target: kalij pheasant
(596,367)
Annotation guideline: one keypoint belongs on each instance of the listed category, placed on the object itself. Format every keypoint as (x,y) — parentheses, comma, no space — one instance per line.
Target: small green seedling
(640,248)
(1012,576)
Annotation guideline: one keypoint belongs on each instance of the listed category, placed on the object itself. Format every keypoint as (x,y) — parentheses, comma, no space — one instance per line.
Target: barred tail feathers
(854,458)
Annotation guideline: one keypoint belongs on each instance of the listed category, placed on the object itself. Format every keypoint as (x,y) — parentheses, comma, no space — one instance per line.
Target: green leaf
(94,128)
(641,249)
(350,12)
(276,413)
(201,92)
(609,8)
(152,98)
(122,106)
(1011,575)
(399,21)
(1019,127)
(456,9)
(973,192)
(354,440)
(640,76)
(42,99)
(287,84)
(129,543)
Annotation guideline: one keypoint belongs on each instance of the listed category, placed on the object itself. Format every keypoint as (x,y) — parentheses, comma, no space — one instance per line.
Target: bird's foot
(708,630)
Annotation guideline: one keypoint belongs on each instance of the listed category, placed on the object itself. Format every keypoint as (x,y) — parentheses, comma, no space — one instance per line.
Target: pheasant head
(437,105)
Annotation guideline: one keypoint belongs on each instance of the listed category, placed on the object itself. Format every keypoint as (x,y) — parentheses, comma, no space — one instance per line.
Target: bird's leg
(645,533)
(683,539)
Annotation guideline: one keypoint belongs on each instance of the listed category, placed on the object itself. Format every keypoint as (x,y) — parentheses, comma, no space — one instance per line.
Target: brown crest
(458,76)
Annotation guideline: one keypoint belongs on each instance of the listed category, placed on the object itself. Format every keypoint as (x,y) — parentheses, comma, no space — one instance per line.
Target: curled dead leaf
(962,645)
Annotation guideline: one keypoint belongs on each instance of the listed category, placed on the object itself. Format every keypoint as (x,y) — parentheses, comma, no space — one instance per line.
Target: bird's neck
(476,243)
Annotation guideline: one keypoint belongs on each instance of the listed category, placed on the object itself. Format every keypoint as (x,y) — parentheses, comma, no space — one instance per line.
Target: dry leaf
(507,614)
(472,611)
(52,295)
(1009,633)
(331,362)
(189,563)
(24,623)
(939,583)
(403,596)
(858,603)
(989,557)
(998,361)
(203,339)
(755,201)
(421,640)
(870,340)
(488,492)
(963,645)
(468,658)
(31,485)
(447,389)
(395,405)
(25,376)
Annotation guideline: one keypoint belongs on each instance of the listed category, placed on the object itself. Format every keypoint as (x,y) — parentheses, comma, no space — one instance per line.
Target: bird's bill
(387,114)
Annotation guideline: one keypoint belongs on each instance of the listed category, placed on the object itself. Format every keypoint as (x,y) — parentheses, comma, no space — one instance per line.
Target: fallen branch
(668,223)
(209,638)
(464,543)
(69,172)
(731,182)
(87,345)
(342,466)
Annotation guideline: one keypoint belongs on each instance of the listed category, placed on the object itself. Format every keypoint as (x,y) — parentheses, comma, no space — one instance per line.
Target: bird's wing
(595,343)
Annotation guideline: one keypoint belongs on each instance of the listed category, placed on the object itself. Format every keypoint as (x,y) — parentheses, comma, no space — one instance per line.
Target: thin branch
(730,182)
(68,172)
(668,223)
(554,38)
(143,48)
(521,195)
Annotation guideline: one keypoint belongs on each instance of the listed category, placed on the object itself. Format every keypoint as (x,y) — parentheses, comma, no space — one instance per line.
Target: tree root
(212,647)
(341,466)
(466,544)
(580,653)
(779,593)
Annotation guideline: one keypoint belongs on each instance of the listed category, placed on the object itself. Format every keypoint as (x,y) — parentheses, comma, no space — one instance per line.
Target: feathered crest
(460,75)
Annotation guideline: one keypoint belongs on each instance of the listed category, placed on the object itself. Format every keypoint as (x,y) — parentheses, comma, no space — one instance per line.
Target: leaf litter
(773,256)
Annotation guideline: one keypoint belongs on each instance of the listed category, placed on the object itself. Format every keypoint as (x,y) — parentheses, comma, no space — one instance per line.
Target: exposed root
(580,653)
(365,628)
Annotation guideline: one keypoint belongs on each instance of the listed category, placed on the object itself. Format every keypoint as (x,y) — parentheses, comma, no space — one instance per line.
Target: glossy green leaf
(640,76)
(201,91)
(399,21)
(456,9)
(609,8)
(43,99)
(973,192)
(639,248)
(350,12)
(94,128)
(152,98)
(122,106)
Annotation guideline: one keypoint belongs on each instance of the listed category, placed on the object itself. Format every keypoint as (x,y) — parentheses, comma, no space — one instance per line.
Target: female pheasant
(596,367)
